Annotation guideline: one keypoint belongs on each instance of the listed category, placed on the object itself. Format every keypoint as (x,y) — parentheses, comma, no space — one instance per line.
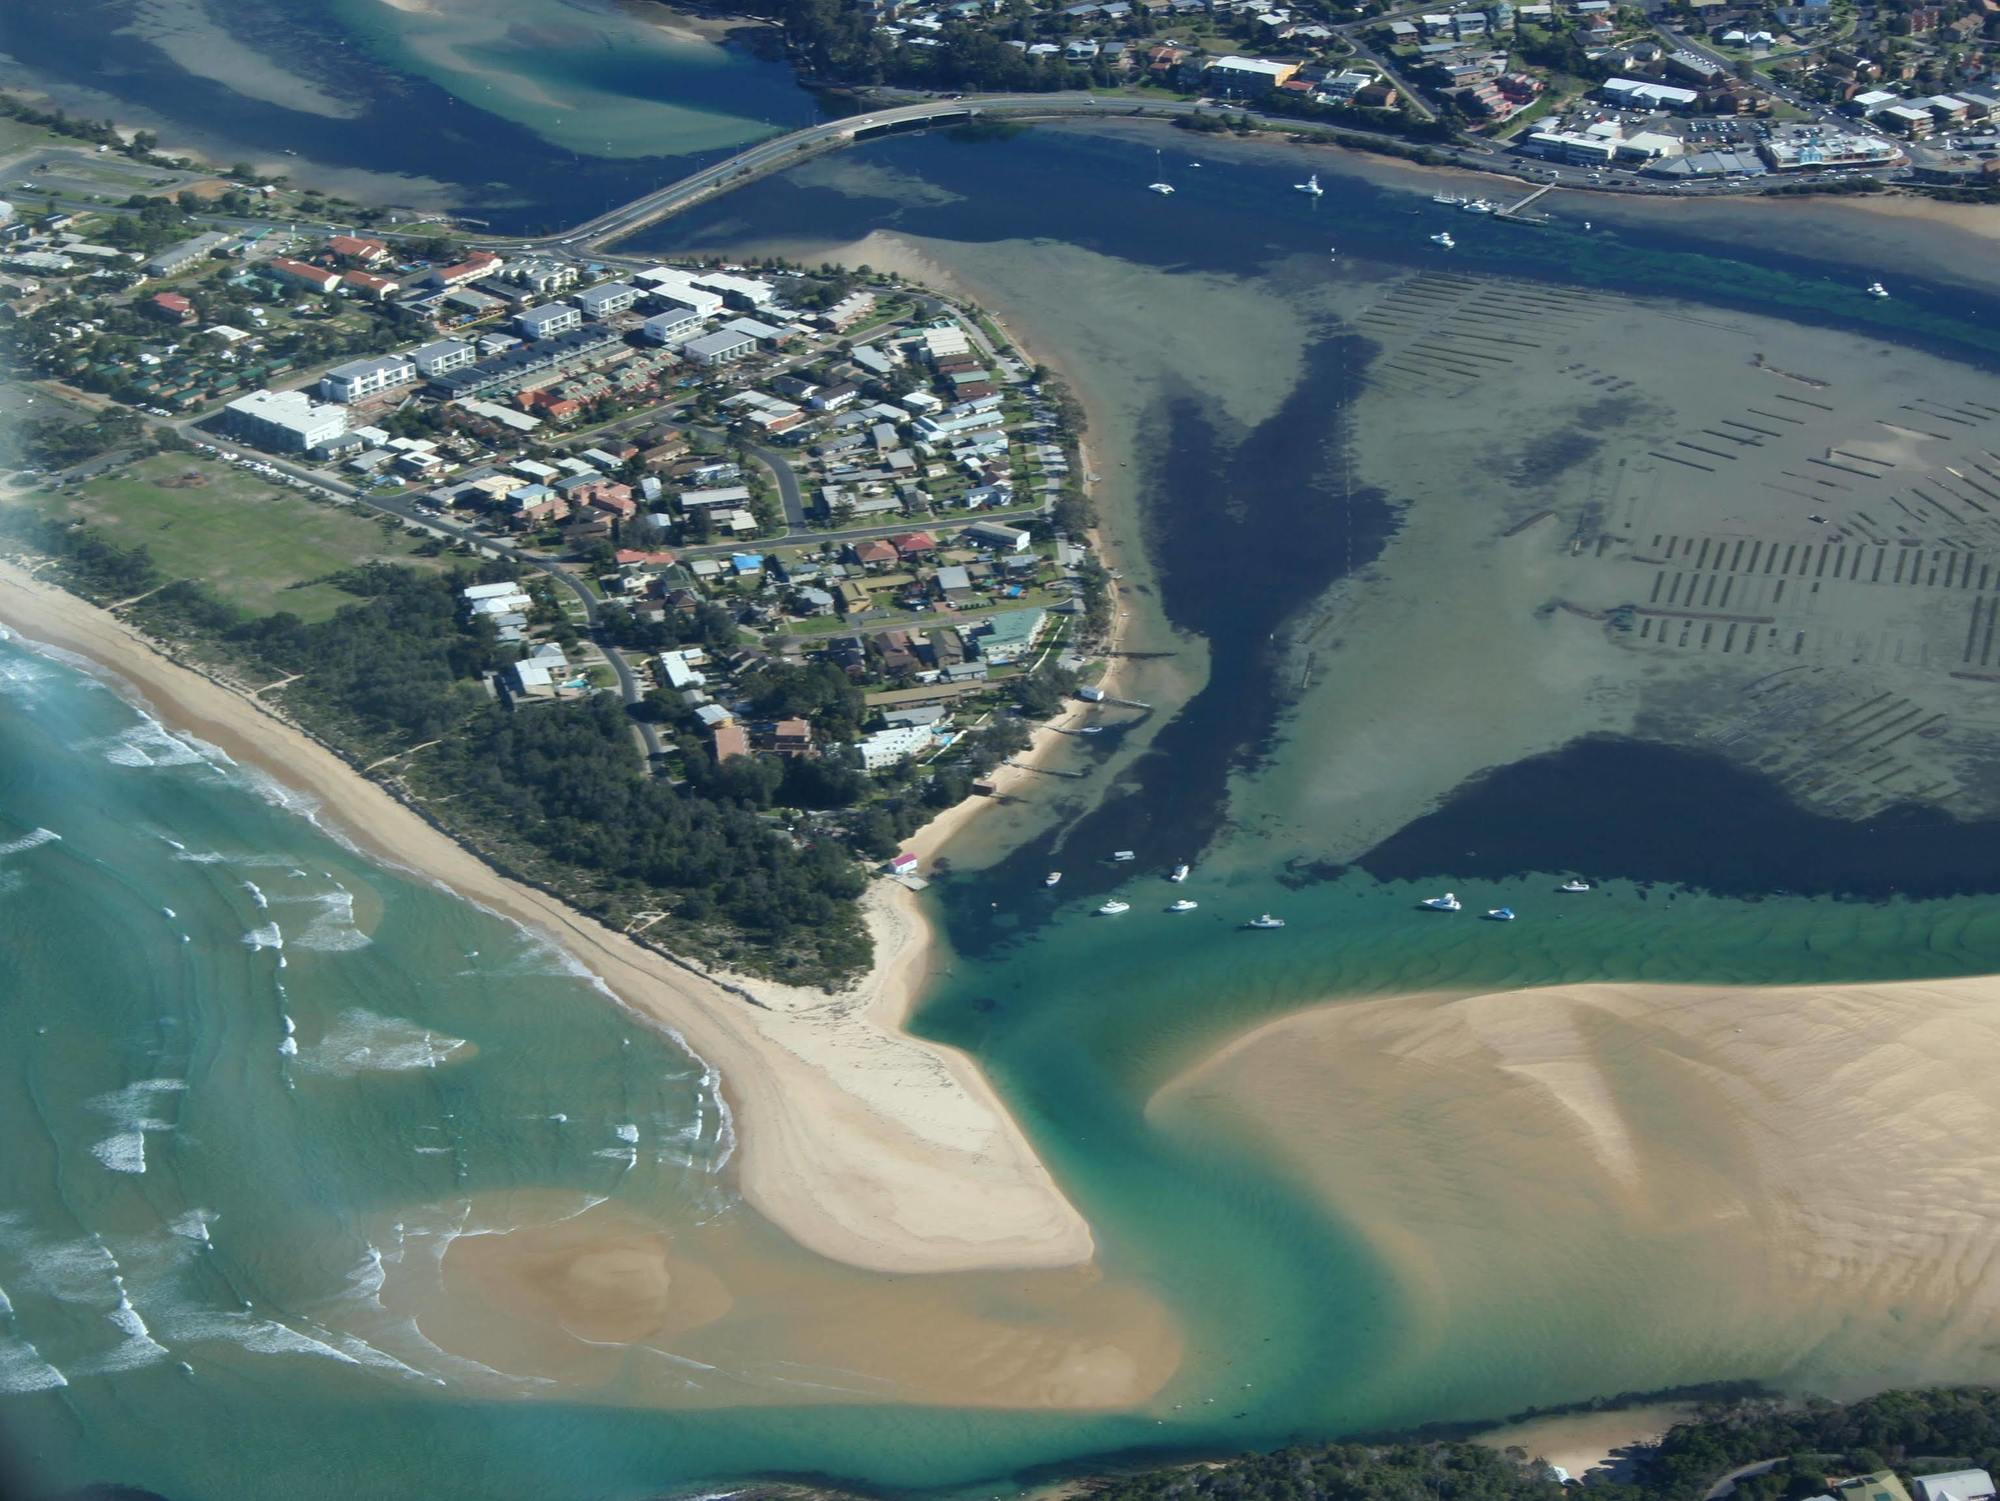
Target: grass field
(259,546)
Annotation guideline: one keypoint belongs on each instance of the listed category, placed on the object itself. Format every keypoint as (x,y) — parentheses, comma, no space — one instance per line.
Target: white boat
(1445,903)
(1443,237)
(1310,186)
(1266,921)
(1449,200)
(1876,289)
(1113,907)
(1091,729)
(1499,914)
(1052,878)
(1572,884)
(1183,905)
(1180,873)
(1159,185)
(1123,855)
(1478,206)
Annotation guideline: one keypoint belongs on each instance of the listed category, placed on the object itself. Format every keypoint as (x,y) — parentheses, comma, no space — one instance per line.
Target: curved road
(629,687)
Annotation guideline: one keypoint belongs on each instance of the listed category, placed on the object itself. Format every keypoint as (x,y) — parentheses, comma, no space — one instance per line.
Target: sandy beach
(1789,1183)
(865,1145)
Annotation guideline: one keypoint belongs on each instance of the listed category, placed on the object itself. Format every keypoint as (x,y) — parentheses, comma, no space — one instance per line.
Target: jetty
(1524,211)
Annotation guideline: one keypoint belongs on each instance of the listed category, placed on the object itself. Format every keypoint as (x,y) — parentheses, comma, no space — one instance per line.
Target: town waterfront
(196,1192)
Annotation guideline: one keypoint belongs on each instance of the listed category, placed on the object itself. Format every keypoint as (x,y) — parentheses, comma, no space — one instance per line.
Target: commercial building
(549,319)
(359,379)
(442,356)
(886,748)
(603,302)
(720,348)
(1803,147)
(1644,94)
(284,421)
(1571,146)
(995,535)
(186,253)
(1246,75)
(1912,120)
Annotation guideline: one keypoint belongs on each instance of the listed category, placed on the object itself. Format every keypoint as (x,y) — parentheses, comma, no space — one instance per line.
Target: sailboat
(1309,187)
(1160,185)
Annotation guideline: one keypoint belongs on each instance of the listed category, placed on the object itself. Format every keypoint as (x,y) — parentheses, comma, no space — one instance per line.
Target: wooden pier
(1519,212)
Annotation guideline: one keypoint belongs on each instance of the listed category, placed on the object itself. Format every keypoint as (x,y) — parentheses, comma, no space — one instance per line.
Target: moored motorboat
(1266,921)
(1113,907)
(1478,206)
(1310,186)
(1445,903)
(1499,914)
(1052,878)
(1573,884)
(1180,873)
(1876,289)
(1123,855)
(1183,905)
(1443,237)
(1449,200)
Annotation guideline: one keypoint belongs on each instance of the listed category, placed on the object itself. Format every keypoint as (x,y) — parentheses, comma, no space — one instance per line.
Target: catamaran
(1310,186)
(1113,907)
(1266,921)
(1054,877)
(1445,903)
(1180,873)
(1183,905)
(1499,914)
(1573,884)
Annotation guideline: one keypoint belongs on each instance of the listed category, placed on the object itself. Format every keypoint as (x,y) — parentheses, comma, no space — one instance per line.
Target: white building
(507,598)
(1955,1485)
(603,302)
(720,348)
(1644,94)
(675,323)
(441,355)
(359,379)
(678,668)
(885,748)
(549,319)
(745,289)
(670,285)
(288,420)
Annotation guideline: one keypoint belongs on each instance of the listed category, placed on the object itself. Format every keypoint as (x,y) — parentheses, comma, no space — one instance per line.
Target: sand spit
(1642,1184)
(864,1144)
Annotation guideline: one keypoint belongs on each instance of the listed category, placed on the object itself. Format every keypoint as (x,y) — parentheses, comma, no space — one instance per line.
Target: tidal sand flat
(1789,1183)
(1774,543)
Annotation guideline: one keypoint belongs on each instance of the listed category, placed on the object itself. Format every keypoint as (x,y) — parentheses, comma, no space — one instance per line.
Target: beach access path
(864,1144)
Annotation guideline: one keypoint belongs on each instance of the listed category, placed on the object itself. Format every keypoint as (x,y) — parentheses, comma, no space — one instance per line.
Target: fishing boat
(1180,873)
(1309,187)
(1266,921)
(1478,206)
(1499,914)
(1183,905)
(1159,185)
(1445,903)
(1113,907)
(1876,289)
(1121,856)
(1572,884)
(1449,200)
(1053,878)
(1443,237)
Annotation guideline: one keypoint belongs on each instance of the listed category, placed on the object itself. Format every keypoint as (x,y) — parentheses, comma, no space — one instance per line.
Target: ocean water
(219,1137)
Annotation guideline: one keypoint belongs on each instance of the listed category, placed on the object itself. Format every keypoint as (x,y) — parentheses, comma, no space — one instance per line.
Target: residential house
(317,278)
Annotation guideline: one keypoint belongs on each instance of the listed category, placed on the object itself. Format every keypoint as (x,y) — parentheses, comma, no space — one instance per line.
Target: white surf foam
(625,1133)
(193,1225)
(332,929)
(149,743)
(257,895)
(288,1047)
(28,841)
(361,1041)
(266,937)
(123,1153)
(22,1369)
